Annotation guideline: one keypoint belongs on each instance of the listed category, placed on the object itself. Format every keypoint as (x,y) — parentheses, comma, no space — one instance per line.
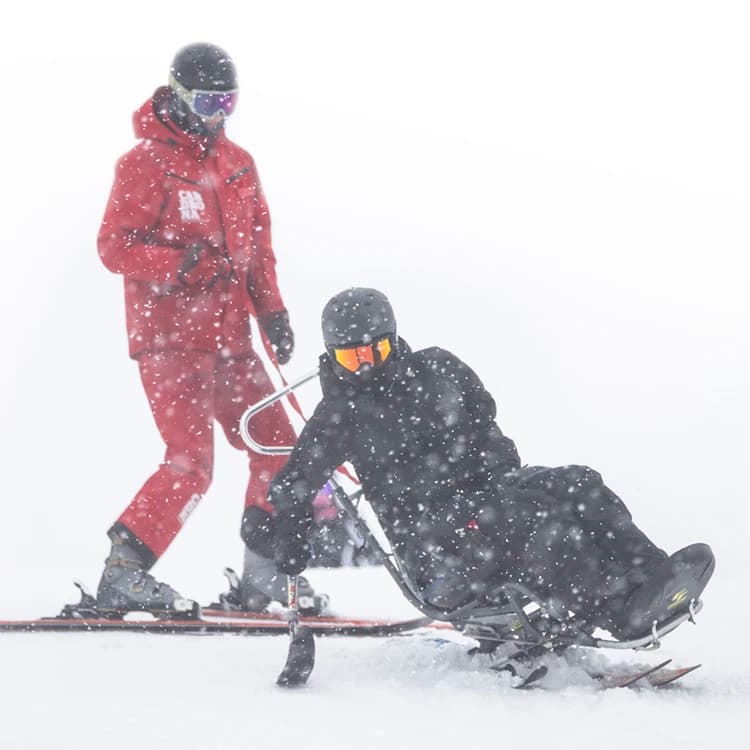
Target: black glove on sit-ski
(291,550)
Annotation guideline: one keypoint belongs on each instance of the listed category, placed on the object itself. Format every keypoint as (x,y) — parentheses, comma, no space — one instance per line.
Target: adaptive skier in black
(450,492)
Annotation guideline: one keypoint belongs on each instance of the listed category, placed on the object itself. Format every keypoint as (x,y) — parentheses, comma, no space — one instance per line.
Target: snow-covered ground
(557,192)
(122,691)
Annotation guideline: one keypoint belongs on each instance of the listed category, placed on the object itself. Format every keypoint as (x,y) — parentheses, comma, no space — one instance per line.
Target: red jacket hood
(151,122)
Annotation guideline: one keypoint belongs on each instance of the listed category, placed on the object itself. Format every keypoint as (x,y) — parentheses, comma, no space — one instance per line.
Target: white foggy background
(557,192)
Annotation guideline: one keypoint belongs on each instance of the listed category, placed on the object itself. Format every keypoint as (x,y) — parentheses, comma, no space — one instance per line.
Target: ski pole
(300,659)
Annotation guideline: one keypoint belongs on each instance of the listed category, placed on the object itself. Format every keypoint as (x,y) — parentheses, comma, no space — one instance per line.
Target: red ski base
(215,622)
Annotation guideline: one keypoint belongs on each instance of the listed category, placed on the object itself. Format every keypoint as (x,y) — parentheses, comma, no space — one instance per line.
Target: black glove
(291,550)
(202,267)
(257,531)
(276,327)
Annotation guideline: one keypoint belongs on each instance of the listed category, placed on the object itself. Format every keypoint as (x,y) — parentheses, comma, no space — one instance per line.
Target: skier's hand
(203,266)
(257,531)
(276,327)
(291,550)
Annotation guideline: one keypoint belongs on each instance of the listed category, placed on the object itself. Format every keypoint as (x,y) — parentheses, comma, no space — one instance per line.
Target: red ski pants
(187,391)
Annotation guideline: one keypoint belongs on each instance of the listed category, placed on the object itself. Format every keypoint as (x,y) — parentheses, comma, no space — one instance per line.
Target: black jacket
(425,441)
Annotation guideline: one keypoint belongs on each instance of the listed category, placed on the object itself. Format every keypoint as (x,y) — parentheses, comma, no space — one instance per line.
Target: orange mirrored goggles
(352,357)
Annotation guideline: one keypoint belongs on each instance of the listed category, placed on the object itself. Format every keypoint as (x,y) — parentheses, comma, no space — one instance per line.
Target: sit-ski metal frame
(510,622)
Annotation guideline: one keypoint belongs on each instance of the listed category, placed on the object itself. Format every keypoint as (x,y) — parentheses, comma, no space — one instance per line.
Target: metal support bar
(399,576)
(511,592)
(653,639)
(251,411)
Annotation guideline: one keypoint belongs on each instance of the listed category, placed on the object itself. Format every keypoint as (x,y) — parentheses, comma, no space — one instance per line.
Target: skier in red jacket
(188,227)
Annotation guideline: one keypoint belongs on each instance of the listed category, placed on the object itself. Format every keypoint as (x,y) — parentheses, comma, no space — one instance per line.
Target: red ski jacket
(170,192)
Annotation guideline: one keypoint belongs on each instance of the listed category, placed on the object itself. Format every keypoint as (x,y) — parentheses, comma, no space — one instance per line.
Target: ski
(658,675)
(248,624)
(630,678)
(667,676)
(530,680)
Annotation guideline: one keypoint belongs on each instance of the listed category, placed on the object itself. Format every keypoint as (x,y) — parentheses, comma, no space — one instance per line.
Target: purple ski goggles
(206,103)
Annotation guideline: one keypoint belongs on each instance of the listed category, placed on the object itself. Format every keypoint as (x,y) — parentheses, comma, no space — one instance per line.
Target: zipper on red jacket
(215,178)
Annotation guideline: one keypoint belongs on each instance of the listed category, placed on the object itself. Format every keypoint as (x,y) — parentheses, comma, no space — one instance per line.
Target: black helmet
(203,84)
(359,331)
(205,67)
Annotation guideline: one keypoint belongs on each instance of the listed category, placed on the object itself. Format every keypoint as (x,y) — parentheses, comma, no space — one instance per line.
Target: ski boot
(262,587)
(671,588)
(240,598)
(127,586)
(244,597)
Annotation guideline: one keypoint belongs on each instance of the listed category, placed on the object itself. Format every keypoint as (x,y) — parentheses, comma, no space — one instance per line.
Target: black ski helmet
(360,316)
(205,67)
(199,67)
(357,316)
